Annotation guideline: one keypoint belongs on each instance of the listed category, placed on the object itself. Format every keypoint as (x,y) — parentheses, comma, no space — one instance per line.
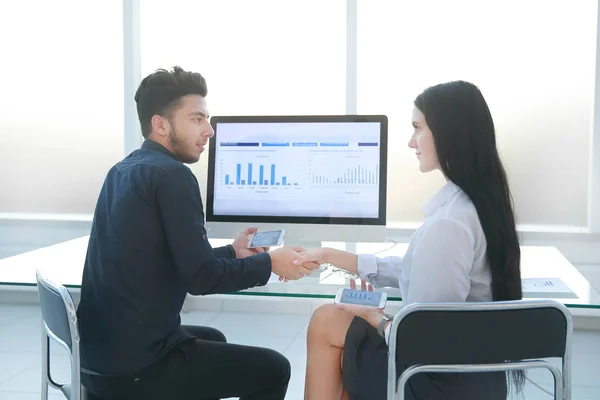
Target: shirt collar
(152,145)
(439,199)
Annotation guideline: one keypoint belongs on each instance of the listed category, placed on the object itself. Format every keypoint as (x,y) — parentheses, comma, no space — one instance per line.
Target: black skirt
(365,373)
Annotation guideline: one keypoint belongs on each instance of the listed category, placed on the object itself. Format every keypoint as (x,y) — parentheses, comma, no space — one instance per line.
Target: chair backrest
(481,333)
(58,310)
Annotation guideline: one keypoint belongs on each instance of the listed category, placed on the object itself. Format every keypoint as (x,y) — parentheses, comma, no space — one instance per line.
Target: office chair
(59,322)
(480,337)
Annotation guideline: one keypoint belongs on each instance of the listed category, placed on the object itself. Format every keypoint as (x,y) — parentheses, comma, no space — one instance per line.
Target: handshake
(290,263)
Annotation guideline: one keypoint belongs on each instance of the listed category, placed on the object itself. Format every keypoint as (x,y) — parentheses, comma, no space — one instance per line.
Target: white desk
(63,263)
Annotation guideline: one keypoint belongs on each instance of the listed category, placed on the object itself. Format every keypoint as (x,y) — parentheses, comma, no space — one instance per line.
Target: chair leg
(76,388)
(566,377)
(44,389)
(558,385)
(45,365)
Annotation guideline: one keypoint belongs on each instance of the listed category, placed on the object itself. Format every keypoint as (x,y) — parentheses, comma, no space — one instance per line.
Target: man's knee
(215,335)
(278,366)
(205,333)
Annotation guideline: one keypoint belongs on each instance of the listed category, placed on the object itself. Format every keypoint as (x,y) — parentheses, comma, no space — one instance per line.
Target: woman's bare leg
(325,342)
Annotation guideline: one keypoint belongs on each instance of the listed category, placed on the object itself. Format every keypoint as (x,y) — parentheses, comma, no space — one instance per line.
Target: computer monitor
(322,178)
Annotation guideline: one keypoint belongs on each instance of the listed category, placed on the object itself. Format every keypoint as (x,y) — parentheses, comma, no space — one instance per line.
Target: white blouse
(446,258)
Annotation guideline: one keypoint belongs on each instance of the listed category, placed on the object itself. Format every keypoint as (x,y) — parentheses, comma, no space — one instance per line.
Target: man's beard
(178,145)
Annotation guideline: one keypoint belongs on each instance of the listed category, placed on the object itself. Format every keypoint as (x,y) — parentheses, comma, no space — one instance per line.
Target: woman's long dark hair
(465,141)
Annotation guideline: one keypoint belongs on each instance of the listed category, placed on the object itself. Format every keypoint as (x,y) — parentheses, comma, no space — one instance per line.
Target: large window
(261,57)
(534,61)
(61,125)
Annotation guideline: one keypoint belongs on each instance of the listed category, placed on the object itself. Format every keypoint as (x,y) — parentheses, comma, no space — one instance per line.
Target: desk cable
(539,387)
(389,248)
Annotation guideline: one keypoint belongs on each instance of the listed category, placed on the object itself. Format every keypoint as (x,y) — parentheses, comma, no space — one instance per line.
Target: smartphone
(361,297)
(266,238)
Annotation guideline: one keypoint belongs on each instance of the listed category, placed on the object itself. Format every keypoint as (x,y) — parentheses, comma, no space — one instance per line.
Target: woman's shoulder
(461,209)
(459,212)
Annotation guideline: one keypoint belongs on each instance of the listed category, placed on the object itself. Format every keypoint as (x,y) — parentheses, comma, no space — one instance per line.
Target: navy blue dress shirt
(147,249)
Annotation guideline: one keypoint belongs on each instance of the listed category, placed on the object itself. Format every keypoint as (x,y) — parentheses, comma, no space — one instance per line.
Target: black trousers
(202,368)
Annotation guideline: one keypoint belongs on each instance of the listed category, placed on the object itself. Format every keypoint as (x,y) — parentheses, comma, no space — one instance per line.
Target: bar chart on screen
(256,174)
(357,176)
(332,169)
(319,170)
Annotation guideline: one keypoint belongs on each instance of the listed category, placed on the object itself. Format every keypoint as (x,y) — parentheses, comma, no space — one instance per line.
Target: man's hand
(240,244)
(312,258)
(282,262)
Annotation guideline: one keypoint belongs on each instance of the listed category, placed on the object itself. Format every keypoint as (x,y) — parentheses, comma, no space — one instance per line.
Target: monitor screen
(296,169)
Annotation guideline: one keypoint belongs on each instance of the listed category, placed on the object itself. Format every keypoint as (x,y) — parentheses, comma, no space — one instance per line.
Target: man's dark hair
(160,93)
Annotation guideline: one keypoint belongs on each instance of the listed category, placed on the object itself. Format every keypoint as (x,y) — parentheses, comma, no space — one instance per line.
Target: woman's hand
(370,314)
(364,285)
(316,255)
(311,258)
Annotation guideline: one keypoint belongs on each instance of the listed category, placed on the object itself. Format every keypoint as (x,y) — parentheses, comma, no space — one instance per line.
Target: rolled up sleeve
(380,272)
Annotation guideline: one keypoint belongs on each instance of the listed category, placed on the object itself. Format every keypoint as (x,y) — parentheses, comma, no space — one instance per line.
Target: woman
(467,250)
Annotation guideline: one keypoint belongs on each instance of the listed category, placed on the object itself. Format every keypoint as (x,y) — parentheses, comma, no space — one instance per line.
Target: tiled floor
(20,351)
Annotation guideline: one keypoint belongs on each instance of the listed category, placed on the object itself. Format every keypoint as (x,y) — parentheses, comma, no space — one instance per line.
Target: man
(148,248)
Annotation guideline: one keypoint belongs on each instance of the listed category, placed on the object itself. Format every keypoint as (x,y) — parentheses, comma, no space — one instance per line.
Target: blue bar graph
(355,176)
(262,179)
(272,174)
(249,173)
